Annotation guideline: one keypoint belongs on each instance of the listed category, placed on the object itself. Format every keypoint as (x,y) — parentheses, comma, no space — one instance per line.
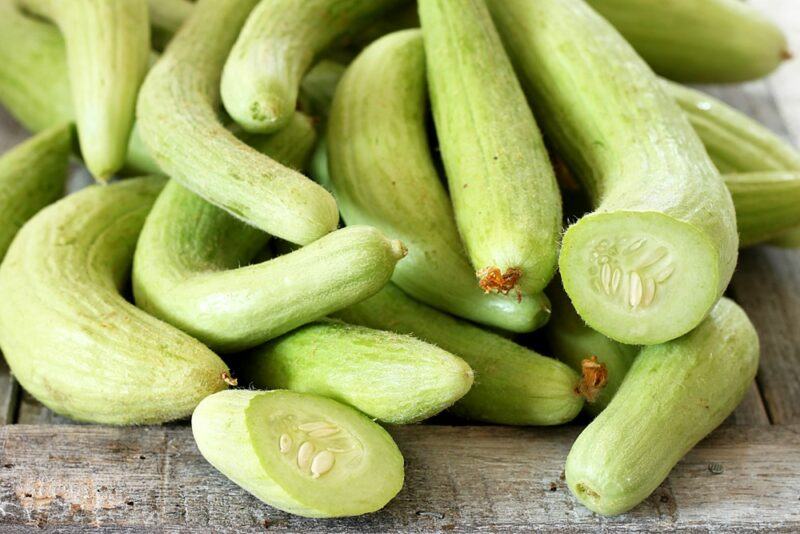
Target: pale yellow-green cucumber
(504,193)
(674,395)
(660,248)
(767,204)
(166,18)
(303,454)
(69,336)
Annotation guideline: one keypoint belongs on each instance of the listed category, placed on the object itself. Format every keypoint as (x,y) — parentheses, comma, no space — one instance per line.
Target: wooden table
(745,476)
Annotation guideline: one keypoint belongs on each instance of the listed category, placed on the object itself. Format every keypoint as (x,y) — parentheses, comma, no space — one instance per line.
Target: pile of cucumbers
(229,136)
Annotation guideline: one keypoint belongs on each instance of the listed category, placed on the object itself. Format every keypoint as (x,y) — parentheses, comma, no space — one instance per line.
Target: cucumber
(166,18)
(505,197)
(513,385)
(660,248)
(300,453)
(710,41)
(382,174)
(69,336)
(32,176)
(178,122)
(674,395)
(108,46)
(766,204)
(392,378)
(318,87)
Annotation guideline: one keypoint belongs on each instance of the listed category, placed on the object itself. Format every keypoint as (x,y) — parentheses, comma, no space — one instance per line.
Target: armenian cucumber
(708,41)
(108,46)
(513,385)
(504,193)
(69,336)
(673,396)
(390,377)
(179,123)
(275,48)
(660,248)
(766,204)
(166,18)
(382,174)
(300,453)
(319,86)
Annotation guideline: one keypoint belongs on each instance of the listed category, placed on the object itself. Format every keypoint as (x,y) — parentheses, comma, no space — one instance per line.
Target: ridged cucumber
(300,453)
(513,385)
(767,204)
(390,377)
(69,336)
(674,395)
(382,174)
(504,193)
(660,248)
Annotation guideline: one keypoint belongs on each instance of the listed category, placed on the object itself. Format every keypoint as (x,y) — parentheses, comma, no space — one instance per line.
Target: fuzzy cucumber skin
(660,248)
(713,41)
(504,193)
(178,121)
(71,338)
(275,48)
(32,176)
(513,385)
(231,430)
(766,204)
(108,46)
(674,395)
(390,377)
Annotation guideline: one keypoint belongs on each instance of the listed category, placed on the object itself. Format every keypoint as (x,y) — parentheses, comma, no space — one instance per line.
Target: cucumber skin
(504,193)
(69,336)
(713,41)
(382,174)
(674,395)
(513,385)
(392,378)
(766,204)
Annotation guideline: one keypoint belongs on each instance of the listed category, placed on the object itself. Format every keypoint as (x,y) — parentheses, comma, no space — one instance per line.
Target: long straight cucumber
(382,174)
(505,198)
(673,396)
(660,248)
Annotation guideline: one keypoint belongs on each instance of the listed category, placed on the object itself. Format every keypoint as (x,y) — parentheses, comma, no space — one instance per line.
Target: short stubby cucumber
(382,174)
(767,204)
(660,248)
(513,385)
(32,176)
(69,336)
(503,189)
(390,377)
(303,454)
(708,41)
(108,46)
(275,48)
(178,121)
(673,396)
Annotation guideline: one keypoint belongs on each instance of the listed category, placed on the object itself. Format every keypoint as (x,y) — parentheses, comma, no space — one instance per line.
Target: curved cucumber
(392,378)
(766,204)
(108,46)
(513,385)
(179,124)
(300,453)
(504,193)
(71,338)
(712,41)
(674,395)
(276,47)
(660,248)
(382,173)
(32,176)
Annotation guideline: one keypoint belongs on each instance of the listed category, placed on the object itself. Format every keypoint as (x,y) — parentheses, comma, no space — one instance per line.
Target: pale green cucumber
(660,248)
(513,385)
(767,204)
(318,87)
(69,336)
(504,193)
(166,18)
(275,48)
(706,41)
(178,121)
(108,46)
(390,377)
(303,454)
(382,174)
(673,396)
(790,239)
